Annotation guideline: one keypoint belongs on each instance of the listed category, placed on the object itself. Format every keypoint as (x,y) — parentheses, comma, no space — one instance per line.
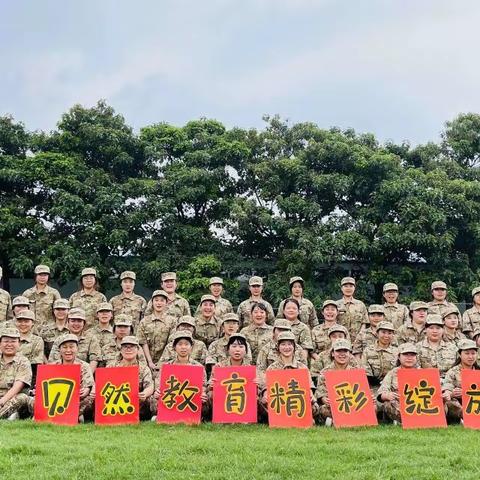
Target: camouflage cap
(237,335)
(347,281)
(129,340)
(26,315)
(438,284)
(384,325)
(230,317)
(168,276)
(328,302)
(476,332)
(187,320)
(407,348)
(284,336)
(337,328)
(182,334)
(123,320)
(77,312)
(475,291)
(215,280)
(104,306)
(449,311)
(69,337)
(20,300)
(296,279)
(9,332)
(418,306)
(206,298)
(41,269)
(62,303)
(255,281)
(159,293)
(282,324)
(374,308)
(128,274)
(433,319)
(388,287)
(89,271)
(342,344)
(466,344)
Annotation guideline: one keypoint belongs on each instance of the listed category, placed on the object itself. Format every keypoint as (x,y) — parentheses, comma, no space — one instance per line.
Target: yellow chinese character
(117,400)
(350,397)
(418,399)
(57,394)
(235,399)
(183,391)
(291,399)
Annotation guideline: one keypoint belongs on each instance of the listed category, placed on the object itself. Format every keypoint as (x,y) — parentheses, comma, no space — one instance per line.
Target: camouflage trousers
(391,410)
(453,410)
(20,403)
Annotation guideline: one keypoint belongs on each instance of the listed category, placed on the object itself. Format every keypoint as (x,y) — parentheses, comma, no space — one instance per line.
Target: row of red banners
(235,396)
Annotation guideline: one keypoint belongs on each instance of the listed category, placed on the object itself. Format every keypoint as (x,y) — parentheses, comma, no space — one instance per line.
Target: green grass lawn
(29,450)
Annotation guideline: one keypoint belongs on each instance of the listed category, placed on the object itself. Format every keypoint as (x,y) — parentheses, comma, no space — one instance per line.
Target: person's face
(259,316)
(385,336)
(104,316)
(286,348)
(419,316)
(336,335)
(297,289)
(60,313)
(88,281)
(330,313)
(237,351)
(375,318)
(408,360)
(129,352)
(216,289)
(451,321)
(186,326)
(122,331)
(183,348)
(342,356)
(390,296)
(169,286)
(207,308)
(68,351)
(434,332)
(19,308)
(439,294)
(9,346)
(348,289)
(477,340)
(24,325)
(42,278)
(256,290)
(468,357)
(128,284)
(290,311)
(159,303)
(476,299)
(230,327)
(75,325)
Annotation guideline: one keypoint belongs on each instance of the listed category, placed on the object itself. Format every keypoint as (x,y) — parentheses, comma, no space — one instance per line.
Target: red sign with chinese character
(471,398)
(421,403)
(289,398)
(234,395)
(57,394)
(116,395)
(350,398)
(180,394)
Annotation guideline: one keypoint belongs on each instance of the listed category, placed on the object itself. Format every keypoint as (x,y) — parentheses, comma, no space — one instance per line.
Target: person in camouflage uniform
(301,331)
(88,297)
(245,308)
(352,313)
(42,296)
(258,333)
(6,313)
(439,302)
(308,314)
(103,329)
(128,302)
(51,332)
(413,330)
(395,312)
(451,326)
(222,305)
(471,317)
(367,335)
(207,324)
(20,304)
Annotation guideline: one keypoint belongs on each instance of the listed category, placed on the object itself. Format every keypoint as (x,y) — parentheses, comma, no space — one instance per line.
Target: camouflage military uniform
(439,308)
(222,307)
(455,338)
(154,332)
(365,338)
(443,358)
(88,349)
(89,302)
(175,308)
(217,352)
(103,335)
(111,354)
(207,330)
(18,369)
(320,338)
(268,354)
(49,334)
(257,337)
(453,379)
(352,315)
(407,333)
(41,303)
(396,313)
(390,384)
(324,360)
(32,347)
(302,335)
(470,320)
(6,313)
(307,315)
(199,352)
(378,361)
(133,305)
(244,312)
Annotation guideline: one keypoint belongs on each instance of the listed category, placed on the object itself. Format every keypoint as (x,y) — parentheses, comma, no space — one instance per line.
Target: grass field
(147,451)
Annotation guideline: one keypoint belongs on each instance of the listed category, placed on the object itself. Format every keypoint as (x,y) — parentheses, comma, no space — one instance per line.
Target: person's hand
(152,366)
(84,392)
(142,396)
(457,392)
(2,401)
(264,398)
(204,397)
(446,395)
(156,394)
(326,401)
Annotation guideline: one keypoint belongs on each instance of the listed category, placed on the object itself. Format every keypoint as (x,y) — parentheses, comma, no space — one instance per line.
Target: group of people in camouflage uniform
(41,327)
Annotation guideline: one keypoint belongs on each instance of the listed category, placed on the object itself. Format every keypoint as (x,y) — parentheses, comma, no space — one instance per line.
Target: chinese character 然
(57,393)
(350,397)
(292,399)
(117,400)
(473,405)
(182,391)
(235,398)
(418,399)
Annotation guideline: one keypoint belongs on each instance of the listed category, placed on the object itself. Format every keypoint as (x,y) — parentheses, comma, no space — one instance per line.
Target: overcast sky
(397,68)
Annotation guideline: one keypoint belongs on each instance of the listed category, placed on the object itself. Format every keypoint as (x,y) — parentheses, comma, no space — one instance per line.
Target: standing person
(303,337)
(222,305)
(128,302)
(15,375)
(352,313)
(258,333)
(177,306)
(439,302)
(207,324)
(307,315)
(413,330)
(5,304)
(471,317)
(42,296)
(255,285)
(451,326)
(31,346)
(88,297)
(51,332)
(395,312)
(368,333)
(103,329)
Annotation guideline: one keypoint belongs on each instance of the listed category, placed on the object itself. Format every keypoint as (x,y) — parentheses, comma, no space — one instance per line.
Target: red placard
(116,395)
(234,395)
(421,403)
(471,398)
(180,394)
(289,398)
(57,394)
(350,397)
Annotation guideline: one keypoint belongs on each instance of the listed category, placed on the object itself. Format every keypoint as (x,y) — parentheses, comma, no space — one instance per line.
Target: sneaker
(395,422)
(154,418)
(14,416)
(328,422)
(81,419)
